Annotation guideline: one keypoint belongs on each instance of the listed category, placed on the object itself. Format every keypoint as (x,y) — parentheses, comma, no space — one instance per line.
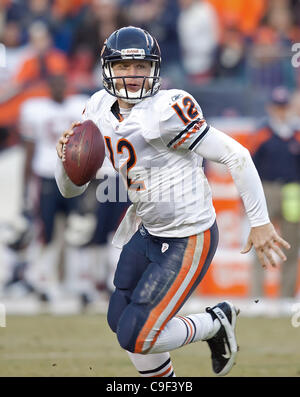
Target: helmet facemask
(109,82)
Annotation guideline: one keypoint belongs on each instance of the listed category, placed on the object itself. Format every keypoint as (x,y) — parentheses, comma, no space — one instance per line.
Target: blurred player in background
(41,120)
(277,158)
(157,140)
(92,232)
(103,255)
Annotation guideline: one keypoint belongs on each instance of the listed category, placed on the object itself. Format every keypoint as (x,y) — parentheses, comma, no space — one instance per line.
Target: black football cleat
(223,345)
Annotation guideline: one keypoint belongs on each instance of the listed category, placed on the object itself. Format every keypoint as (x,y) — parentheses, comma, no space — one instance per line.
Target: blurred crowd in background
(207,45)
(229,54)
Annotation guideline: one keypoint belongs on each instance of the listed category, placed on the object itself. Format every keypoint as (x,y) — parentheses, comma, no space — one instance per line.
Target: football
(84,153)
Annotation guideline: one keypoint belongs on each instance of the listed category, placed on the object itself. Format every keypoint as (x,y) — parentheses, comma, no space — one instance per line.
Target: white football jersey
(152,148)
(42,120)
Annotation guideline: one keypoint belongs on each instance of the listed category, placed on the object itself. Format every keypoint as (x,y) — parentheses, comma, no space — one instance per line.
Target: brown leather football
(84,153)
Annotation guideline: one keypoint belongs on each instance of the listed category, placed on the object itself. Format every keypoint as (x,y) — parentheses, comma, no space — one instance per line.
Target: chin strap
(122,93)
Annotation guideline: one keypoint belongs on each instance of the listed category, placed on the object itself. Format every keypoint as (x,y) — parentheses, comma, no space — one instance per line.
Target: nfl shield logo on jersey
(164,247)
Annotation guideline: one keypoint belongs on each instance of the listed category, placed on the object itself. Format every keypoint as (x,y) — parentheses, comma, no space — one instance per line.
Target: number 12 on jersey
(124,144)
(189,111)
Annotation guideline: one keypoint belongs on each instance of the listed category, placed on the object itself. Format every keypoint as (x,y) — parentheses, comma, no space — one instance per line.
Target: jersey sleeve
(182,125)
(93,106)
(221,148)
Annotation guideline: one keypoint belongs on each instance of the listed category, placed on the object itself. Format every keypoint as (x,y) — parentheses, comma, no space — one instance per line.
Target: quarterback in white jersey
(157,140)
(168,189)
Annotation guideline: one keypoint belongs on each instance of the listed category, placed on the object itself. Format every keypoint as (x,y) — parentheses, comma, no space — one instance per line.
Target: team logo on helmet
(129,52)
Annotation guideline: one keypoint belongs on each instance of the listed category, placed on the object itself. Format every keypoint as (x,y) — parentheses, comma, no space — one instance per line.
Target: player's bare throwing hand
(266,242)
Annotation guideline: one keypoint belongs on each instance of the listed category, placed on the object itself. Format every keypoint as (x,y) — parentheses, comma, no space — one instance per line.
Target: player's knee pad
(130,324)
(117,304)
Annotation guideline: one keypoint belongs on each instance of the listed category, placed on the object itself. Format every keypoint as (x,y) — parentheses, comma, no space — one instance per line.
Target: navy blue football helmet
(131,43)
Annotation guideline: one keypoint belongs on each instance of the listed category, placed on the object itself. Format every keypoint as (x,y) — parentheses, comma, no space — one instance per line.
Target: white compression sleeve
(66,187)
(221,148)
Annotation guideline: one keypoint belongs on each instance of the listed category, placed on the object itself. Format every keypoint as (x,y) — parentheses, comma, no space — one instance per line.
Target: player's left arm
(219,147)
(183,127)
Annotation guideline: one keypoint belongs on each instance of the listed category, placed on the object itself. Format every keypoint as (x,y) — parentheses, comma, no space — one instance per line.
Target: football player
(157,140)
(41,122)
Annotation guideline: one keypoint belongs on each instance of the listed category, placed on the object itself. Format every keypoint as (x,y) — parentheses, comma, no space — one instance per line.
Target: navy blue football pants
(154,278)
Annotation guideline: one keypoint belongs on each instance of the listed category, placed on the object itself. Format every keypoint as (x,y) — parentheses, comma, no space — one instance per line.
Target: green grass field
(83,345)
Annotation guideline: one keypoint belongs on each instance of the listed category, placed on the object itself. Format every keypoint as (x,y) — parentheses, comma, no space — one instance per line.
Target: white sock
(153,365)
(181,331)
